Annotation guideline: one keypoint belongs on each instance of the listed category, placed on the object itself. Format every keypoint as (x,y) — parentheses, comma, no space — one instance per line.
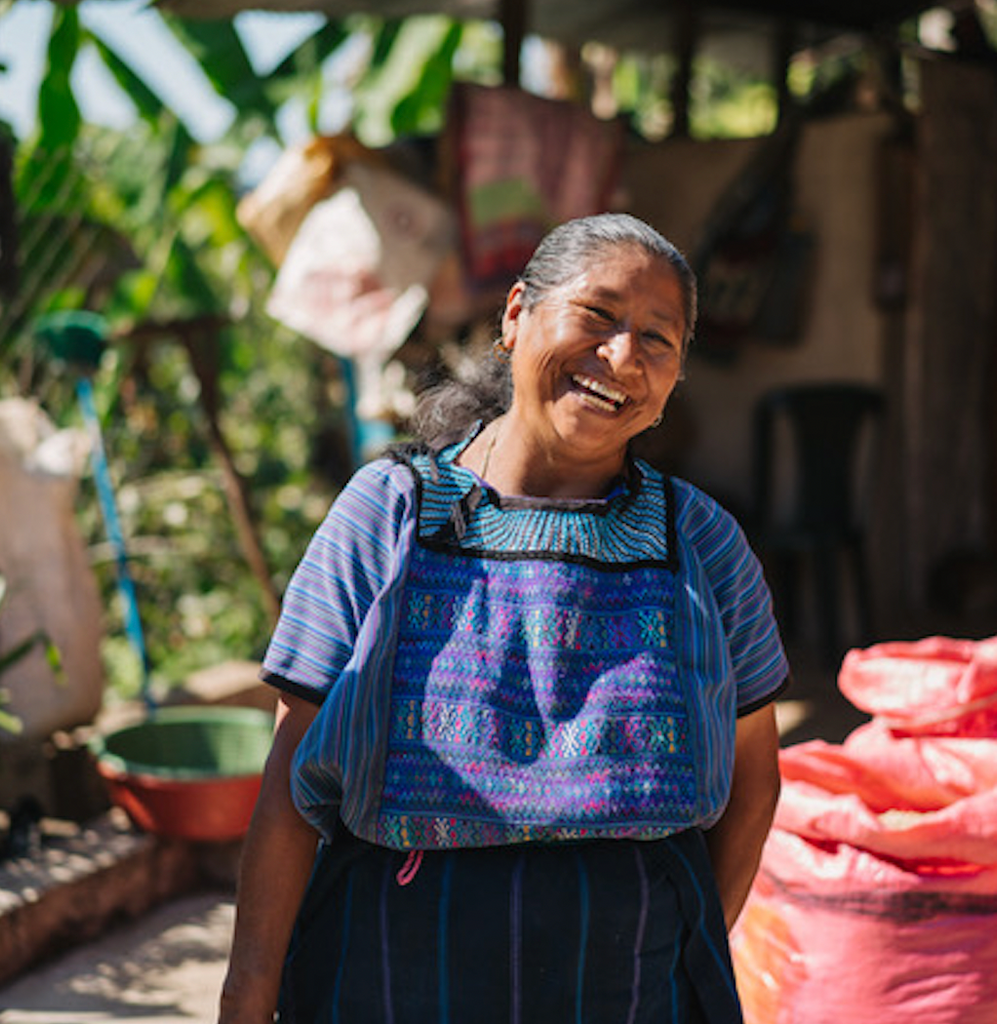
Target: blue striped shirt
(338,627)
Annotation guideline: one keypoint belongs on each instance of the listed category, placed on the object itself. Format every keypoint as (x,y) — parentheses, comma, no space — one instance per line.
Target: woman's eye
(601,314)
(659,339)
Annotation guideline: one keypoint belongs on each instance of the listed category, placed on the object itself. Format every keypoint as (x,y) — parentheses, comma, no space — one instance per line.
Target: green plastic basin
(188,772)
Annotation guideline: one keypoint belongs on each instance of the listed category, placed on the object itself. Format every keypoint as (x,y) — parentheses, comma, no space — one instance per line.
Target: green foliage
(217,48)
(641,86)
(175,202)
(419,111)
(726,103)
(58,113)
(300,74)
(8,722)
(148,105)
(410,78)
(199,602)
(20,651)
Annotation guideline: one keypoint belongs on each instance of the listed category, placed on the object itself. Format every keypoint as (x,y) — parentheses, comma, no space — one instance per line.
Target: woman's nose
(622,352)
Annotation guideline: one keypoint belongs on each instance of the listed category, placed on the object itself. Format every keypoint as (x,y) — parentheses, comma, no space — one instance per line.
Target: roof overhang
(624,24)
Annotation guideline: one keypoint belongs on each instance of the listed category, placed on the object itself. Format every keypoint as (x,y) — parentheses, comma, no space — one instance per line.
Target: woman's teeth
(599,394)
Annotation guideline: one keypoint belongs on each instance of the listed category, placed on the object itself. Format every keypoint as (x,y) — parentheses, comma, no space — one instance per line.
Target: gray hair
(447,411)
(571,246)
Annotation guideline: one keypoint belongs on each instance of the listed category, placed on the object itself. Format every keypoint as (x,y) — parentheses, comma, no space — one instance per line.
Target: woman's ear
(510,315)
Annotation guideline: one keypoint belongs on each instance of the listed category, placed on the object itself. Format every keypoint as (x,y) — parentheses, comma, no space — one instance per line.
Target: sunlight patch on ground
(790,714)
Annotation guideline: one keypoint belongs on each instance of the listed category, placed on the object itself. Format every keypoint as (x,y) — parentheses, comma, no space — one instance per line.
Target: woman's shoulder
(394,471)
(695,499)
(375,491)
(703,520)
(434,466)
(694,508)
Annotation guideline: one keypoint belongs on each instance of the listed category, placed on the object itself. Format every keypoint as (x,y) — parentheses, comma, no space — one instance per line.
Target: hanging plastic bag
(303,175)
(356,277)
(876,900)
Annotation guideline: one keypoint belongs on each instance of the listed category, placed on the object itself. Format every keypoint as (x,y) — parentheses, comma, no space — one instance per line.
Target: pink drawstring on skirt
(409,868)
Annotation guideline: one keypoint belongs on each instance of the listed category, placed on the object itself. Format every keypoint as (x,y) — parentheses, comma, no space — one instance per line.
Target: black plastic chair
(818,513)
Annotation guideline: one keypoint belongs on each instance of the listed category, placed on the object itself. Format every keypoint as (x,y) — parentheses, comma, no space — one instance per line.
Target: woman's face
(595,361)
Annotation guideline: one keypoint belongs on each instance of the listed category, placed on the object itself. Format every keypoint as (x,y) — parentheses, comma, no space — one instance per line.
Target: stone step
(88,868)
(80,880)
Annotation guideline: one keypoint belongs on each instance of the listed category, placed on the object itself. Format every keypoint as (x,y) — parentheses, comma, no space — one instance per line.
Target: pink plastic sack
(936,686)
(876,900)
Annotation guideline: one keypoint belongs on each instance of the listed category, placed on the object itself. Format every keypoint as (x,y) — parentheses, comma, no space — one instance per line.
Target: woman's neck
(515,466)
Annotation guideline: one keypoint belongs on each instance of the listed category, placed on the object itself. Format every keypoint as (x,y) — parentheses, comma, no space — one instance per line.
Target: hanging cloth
(753,258)
(523,165)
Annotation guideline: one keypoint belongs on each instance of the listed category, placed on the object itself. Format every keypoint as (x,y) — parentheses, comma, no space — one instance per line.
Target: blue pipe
(105,495)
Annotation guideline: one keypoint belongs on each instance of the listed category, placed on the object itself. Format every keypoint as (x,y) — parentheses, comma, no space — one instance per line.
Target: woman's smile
(597,394)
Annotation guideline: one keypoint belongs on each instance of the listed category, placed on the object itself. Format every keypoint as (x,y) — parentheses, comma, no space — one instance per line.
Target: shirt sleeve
(349,560)
(742,596)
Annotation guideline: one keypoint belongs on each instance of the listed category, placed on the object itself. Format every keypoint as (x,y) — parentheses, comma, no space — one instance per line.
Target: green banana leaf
(147,102)
(410,74)
(59,116)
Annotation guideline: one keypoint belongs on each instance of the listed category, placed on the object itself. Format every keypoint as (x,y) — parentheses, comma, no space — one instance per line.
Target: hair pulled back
(447,411)
(569,248)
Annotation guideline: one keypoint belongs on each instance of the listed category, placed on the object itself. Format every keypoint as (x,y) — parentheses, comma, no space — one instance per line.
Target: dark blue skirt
(596,932)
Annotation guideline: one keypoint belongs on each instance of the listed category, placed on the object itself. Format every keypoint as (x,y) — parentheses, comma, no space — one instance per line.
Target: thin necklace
(488,452)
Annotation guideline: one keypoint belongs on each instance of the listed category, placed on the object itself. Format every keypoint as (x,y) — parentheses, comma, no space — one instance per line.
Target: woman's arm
(736,841)
(276,862)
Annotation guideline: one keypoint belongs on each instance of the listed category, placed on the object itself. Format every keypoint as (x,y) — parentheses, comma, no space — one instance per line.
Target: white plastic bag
(355,278)
(50,587)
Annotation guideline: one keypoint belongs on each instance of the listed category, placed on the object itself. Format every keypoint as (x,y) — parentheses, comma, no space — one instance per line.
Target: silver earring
(656,422)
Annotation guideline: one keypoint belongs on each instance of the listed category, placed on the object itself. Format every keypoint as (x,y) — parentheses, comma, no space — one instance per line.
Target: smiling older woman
(527,690)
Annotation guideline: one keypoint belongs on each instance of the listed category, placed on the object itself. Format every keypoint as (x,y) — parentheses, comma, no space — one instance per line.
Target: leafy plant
(142,226)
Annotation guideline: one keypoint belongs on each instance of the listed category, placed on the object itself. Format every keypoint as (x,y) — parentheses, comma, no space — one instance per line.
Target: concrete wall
(675,185)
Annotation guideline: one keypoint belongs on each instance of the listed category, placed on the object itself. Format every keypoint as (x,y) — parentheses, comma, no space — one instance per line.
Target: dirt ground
(166,968)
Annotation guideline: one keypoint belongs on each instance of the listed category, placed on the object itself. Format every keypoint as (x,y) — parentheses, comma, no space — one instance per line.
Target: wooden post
(686,36)
(948,372)
(202,345)
(785,40)
(513,15)
(567,81)
(199,337)
(887,549)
